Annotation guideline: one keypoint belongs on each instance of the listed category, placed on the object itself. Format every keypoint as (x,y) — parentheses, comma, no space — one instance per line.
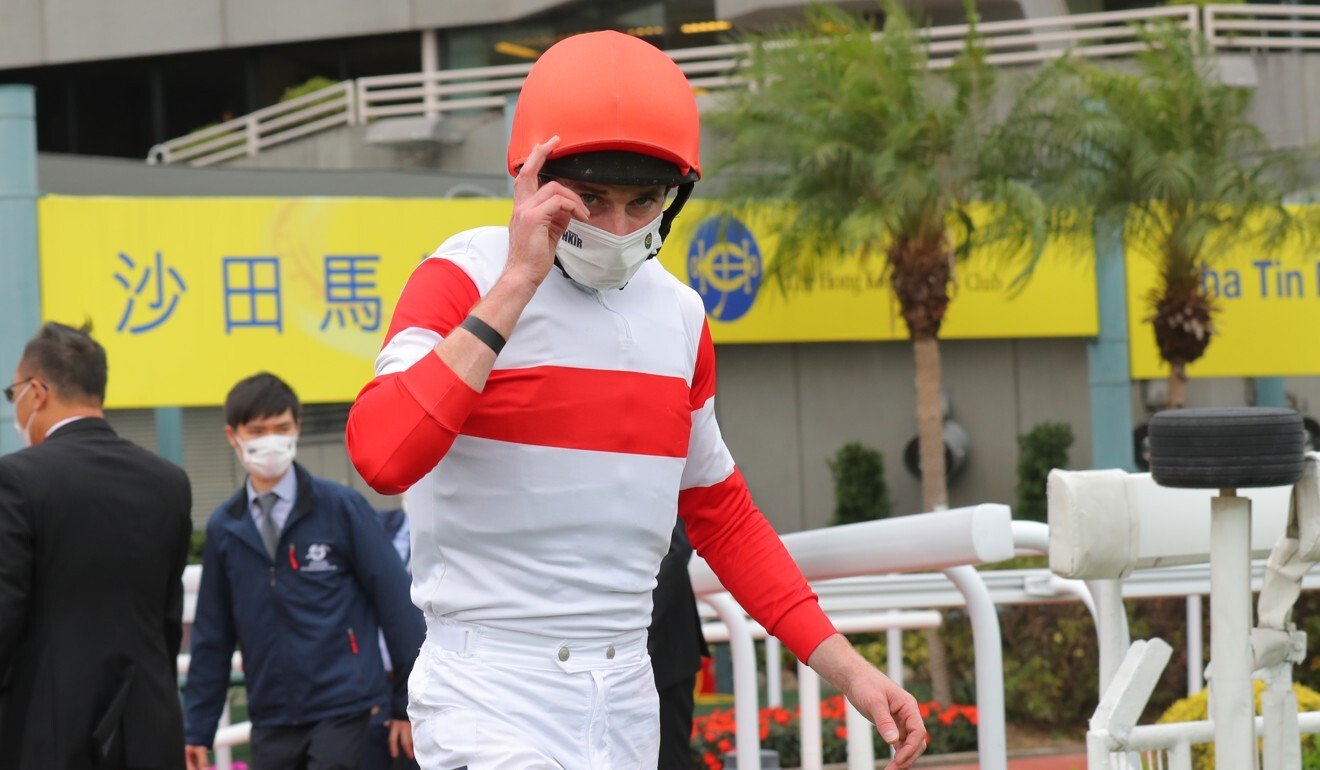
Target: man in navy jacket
(299,572)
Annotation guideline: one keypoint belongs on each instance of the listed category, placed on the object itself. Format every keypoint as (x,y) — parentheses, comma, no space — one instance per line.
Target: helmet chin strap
(667,218)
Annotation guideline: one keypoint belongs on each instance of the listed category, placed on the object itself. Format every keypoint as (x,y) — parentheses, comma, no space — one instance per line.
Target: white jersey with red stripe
(545,503)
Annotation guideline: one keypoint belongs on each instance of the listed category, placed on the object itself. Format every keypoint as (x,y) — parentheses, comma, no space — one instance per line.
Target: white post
(1231,704)
(1098,756)
(747,734)
(894,655)
(350,102)
(1180,756)
(861,739)
(1195,647)
(1113,630)
(430,65)
(252,136)
(991,739)
(1282,749)
(224,756)
(774,680)
(813,755)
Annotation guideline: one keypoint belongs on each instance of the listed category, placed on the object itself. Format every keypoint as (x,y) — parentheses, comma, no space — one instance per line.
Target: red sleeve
(403,423)
(703,374)
(742,548)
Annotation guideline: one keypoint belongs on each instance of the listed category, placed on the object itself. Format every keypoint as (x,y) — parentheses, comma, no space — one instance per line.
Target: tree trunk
(930,424)
(941,686)
(934,490)
(1177,384)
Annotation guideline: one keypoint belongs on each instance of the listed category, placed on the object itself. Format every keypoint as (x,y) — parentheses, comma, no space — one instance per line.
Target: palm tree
(1168,151)
(861,148)
(864,148)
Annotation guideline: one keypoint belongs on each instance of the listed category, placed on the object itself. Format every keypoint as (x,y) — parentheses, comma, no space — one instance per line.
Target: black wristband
(483,331)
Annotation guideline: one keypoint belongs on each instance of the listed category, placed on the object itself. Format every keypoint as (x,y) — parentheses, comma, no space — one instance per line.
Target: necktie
(270,531)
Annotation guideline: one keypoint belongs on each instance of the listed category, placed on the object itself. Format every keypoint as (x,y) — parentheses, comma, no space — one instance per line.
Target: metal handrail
(325,108)
(1015,42)
(1251,27)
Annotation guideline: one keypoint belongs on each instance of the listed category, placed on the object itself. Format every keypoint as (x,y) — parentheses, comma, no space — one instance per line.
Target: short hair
(69,361)
(260,396)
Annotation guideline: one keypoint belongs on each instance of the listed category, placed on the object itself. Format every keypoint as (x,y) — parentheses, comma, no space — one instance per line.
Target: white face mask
(24,431)
(601,260)
(270,456)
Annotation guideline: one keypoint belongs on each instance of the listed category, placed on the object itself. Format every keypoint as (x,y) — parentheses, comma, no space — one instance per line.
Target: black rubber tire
(1231,448)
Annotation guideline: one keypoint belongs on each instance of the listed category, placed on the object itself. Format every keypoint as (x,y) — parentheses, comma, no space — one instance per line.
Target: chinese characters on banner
(251,293)
(190,295)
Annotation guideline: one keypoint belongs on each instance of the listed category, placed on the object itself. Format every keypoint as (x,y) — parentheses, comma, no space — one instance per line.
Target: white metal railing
(950,541)
(879,602)
(1020,41)
(248,135)
(1263,27)
(1030,41)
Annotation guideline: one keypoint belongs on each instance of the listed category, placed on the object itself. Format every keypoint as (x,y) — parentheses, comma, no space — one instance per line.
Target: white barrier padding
(1104,524)
(978,534)
(1093,533)
(1306,508)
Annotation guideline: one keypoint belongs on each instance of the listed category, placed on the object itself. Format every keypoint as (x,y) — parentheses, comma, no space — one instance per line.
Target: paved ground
(1057,762)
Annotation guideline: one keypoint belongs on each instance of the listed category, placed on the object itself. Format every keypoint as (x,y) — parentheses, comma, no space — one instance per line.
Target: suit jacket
(94,534)
(675,641)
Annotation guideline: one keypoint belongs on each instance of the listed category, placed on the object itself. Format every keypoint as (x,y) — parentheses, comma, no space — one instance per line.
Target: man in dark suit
(676,646)
(94,535)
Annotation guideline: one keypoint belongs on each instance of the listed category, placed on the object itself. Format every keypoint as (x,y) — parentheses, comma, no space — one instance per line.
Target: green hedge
(1044,448)
(860,490)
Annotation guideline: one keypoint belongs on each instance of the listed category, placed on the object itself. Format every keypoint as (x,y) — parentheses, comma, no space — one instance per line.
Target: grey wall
(1286,108)
(785,409)
(35,32)
(1287,104)
(79,175)
(214,470)
(479,149)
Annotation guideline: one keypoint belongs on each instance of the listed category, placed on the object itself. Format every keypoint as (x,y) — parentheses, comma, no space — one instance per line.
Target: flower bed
(952,728)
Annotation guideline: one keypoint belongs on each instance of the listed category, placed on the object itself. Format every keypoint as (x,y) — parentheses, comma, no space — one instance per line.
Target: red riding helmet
(623,110)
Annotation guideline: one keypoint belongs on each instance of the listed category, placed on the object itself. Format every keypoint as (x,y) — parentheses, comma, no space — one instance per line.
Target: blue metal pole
(169,434)
(510,105)
(1269,392)
(1107,355)
(20,286)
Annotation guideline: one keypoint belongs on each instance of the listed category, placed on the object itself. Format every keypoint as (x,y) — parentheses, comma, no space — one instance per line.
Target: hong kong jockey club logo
(724,266)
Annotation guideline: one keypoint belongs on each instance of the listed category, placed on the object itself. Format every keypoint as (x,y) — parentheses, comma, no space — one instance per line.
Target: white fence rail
(279,123)
(1021,41)
(1263,27)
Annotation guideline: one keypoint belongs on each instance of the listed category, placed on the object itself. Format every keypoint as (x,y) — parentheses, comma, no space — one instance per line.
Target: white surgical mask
(601,260)
(24,431)
(270,456)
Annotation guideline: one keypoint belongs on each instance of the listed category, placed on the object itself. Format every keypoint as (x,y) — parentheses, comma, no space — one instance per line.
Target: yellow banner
(1268,319)
(191,294)
(725,260)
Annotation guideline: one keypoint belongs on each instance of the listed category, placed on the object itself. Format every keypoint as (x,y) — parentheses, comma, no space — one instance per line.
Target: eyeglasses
(9,391)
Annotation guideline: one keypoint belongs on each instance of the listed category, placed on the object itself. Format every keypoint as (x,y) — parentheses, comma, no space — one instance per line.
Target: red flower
(947,717)
(924,710)
(970,713)
(765,733)
(781,716)
(841,733)
(725,745)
